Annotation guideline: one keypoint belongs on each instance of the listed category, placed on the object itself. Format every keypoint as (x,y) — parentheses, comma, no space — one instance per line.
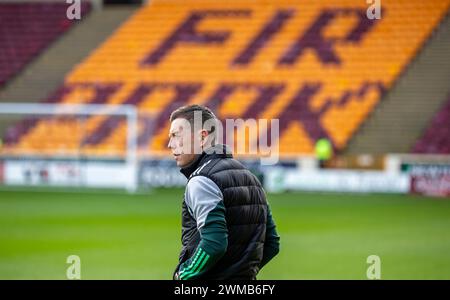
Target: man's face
(181,142)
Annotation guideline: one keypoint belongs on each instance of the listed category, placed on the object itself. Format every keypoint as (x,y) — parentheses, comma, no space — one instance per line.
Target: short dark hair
(187,112)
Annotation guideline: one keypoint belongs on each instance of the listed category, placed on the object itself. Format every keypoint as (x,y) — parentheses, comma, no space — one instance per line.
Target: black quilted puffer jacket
(252,238)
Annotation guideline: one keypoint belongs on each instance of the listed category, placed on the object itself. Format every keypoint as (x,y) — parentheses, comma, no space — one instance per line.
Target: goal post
(47,132)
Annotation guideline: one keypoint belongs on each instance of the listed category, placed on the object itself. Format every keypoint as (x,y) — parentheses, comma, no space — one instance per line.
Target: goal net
(78,145)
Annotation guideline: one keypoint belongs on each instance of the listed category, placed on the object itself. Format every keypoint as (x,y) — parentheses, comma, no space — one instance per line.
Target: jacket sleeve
(272,242)
(205,202)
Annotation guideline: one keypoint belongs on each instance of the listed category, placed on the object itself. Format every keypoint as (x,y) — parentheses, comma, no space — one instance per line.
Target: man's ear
(204,134)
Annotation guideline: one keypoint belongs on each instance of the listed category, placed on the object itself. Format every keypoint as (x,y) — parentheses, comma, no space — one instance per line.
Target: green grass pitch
(122,236)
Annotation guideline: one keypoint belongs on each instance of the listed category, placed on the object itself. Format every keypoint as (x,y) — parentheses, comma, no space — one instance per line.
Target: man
(227,227)
(324,151)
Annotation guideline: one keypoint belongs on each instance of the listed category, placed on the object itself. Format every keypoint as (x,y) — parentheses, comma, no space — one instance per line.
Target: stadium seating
(436,138)
(26,29)
(320,67)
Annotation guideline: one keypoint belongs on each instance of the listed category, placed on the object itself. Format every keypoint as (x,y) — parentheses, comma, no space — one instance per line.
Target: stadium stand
(436,138)
(320,68)
(26,29)
(399,120)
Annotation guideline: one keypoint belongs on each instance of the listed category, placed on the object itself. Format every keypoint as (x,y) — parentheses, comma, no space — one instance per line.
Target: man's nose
(169,145)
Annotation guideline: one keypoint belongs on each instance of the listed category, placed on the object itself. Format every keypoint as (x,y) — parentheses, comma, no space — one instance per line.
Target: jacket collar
(216,151)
